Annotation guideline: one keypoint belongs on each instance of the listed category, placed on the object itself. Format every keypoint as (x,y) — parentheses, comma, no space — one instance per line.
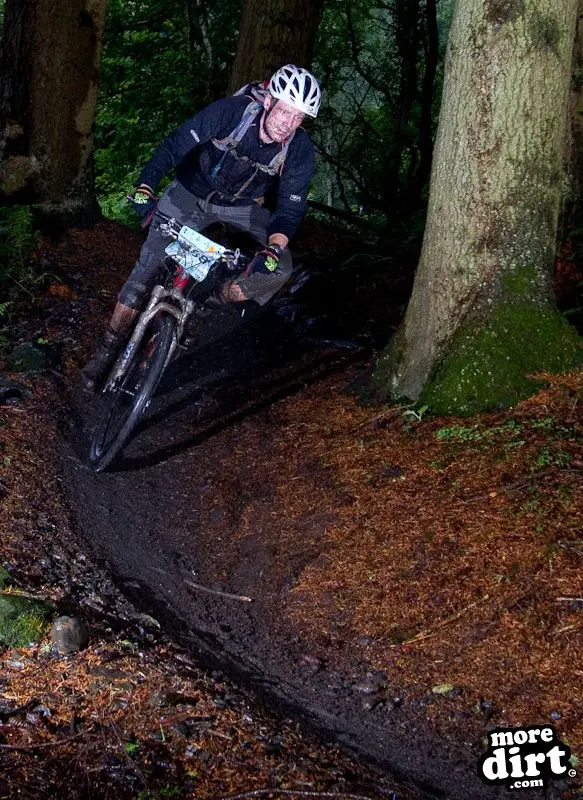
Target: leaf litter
(448,561)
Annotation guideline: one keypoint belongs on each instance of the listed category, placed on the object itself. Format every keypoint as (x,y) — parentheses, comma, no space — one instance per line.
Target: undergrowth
(22,619)
(18,276)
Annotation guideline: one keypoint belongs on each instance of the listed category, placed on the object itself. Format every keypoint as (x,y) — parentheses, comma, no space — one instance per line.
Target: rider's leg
(102,359)
(129,302)
(259,287)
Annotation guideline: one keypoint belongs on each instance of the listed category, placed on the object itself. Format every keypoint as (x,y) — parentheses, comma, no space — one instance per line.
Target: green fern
(17,241)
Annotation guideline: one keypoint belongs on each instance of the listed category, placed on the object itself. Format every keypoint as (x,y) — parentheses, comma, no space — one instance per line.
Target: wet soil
(225,519)
(148,520)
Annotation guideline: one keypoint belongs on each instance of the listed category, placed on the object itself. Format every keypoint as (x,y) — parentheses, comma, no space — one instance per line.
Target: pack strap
(230,143)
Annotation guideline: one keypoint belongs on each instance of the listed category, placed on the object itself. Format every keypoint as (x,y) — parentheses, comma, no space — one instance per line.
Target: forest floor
(433,564)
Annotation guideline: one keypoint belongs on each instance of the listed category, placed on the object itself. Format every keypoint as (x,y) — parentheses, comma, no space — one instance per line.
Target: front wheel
(126,403)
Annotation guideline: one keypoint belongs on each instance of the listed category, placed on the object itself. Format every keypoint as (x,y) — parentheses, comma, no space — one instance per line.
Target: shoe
(95,370)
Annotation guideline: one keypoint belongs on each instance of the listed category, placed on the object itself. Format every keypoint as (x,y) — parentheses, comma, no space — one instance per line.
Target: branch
(422,635)
(230,596)
(57,743)
(297,793)
(4,715)
(354,219)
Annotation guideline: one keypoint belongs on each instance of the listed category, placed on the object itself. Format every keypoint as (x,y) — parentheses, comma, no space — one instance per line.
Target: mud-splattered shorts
(187,209)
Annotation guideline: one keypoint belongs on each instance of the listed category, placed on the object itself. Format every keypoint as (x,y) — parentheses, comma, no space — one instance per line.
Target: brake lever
(232,257)
(169,227)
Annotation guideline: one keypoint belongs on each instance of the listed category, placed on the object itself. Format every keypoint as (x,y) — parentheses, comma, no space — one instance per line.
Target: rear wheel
(126,403)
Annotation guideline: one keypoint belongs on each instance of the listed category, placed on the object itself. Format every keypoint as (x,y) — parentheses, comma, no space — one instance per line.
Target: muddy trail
(222,507)
(143,519)
(215,593)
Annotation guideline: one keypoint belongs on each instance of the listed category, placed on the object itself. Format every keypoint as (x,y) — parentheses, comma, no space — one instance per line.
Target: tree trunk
(577,108)
(420,176)
(50,63)
(482,312)
(274,33)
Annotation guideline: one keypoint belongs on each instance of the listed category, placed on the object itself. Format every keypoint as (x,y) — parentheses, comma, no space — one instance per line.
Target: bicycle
(196,265)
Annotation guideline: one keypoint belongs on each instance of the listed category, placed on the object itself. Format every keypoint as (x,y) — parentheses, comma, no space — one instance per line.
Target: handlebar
(169,225)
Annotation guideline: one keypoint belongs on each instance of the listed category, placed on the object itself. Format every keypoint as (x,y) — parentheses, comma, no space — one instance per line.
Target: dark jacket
(190,149)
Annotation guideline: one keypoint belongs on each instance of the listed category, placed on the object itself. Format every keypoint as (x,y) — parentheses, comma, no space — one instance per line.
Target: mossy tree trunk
(274,33)
(50,63)
(482,312)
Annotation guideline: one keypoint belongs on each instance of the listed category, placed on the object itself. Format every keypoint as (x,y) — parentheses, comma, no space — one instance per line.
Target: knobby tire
(127,402)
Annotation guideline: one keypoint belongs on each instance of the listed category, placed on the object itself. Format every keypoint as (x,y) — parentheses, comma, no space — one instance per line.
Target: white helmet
(298,87)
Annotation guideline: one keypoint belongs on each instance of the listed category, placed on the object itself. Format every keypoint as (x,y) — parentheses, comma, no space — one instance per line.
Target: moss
(498,12)
(523,282)
(22,620)
(490,365)
(545,31)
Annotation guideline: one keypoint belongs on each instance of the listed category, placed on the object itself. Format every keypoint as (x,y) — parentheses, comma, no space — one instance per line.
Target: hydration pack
(257,92)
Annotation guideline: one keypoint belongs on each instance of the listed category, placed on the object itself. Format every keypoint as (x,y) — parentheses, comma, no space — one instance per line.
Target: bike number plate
(194,252)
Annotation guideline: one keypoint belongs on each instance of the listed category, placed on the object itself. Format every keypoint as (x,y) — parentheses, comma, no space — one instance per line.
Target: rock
(274,746)
(11,392)
(371,702)
(27,357)
(199,723)
(364,641)
(392,471)
(158,700)
(312,662)
(373,683)
(192,751)
(34,356)
(446,690)
(38,715)
(44,523)
(69,635)
(335,681)
(180,728)
(486,707)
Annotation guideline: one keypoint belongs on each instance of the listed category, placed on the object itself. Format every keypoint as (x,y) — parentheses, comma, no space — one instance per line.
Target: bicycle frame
(172,301)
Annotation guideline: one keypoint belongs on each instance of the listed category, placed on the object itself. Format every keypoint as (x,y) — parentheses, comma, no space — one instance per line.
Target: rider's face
(282,120)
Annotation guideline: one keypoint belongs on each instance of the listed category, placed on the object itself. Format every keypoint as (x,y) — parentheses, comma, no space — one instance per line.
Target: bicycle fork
(180,308)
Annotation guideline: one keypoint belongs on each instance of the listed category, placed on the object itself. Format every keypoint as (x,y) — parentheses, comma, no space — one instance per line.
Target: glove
(144,203)
(265,260)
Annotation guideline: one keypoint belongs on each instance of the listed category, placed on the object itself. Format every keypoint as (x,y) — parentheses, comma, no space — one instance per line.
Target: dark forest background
(379,64)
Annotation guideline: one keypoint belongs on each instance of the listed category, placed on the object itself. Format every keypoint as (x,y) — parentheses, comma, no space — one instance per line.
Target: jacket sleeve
(215,121)
(294,185)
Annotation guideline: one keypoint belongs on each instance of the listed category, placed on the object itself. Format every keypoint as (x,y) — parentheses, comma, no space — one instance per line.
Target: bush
(17,241)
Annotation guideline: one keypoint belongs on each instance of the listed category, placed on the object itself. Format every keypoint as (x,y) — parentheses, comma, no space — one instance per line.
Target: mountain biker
(227,157)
